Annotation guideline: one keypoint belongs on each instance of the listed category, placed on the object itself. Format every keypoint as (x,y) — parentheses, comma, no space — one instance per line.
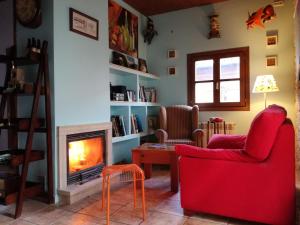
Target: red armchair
(255,182)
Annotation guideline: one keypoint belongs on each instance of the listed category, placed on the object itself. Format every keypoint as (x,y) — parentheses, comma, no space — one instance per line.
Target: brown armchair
(179,125)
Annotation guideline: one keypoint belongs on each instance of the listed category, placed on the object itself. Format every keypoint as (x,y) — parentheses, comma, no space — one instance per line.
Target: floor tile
(30,207)
(47,216)
(20,222)
(158,218)
(200,221)
(128,215)
(95,209)
(170,206)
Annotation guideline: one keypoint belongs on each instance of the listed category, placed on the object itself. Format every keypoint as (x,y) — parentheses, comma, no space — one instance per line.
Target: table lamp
(264,84)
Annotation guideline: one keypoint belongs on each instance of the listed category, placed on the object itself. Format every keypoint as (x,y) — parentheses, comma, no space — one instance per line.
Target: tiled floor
(163,208)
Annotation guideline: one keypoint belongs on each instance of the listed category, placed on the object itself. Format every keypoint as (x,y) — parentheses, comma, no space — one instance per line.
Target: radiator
(211,128)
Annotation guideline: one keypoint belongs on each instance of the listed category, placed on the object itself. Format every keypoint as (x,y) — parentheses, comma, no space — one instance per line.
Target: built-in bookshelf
(140,109)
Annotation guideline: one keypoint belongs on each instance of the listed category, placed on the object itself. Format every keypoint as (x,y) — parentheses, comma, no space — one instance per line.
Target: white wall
(187,30)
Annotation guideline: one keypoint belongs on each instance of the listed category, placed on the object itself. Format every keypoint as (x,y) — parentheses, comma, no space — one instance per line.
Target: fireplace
(97,134)
(85,156)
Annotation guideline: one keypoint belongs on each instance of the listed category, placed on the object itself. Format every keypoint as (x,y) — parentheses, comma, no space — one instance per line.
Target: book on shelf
(118,126)
(136,124)
(150,94)
(131,97)
(147,94)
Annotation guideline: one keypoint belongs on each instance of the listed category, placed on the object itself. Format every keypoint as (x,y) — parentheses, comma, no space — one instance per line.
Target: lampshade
(265,83)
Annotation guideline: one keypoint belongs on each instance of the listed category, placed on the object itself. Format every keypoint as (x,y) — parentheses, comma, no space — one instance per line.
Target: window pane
(204,70)
(204,92)
(230,91)
(230,68)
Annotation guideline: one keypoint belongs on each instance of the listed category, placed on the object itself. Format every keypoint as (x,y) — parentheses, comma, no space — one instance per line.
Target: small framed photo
(172,70)
(171,54)
(83,24)
(143,65)
(271,61)
(272,40)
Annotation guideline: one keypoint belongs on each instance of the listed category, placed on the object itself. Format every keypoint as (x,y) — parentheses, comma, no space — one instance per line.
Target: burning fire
(84,154)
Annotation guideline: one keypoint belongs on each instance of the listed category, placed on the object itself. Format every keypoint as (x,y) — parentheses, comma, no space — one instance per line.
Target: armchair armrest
(213,154)
(227,141)
(161,135)
(197,137)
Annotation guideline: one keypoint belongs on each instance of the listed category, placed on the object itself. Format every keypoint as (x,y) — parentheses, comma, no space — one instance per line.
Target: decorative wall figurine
(214,27)
(261,16)
(149,32)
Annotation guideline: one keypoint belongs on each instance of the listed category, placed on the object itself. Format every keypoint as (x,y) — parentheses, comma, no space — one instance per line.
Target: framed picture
(143,65)
(271,61)
(171,54)
(83,24)
(172,71)
(119,59)
(123,29)
(272,40)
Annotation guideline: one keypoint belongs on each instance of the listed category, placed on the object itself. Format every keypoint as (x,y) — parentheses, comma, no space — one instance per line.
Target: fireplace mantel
(72,193)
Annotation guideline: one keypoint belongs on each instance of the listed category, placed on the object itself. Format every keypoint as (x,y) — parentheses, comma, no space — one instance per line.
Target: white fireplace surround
(69,194)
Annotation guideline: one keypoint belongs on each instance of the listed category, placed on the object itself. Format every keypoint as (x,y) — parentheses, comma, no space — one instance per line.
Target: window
(219,80)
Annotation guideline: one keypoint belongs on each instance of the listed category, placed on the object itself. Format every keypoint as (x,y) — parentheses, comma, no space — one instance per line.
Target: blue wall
(187,30)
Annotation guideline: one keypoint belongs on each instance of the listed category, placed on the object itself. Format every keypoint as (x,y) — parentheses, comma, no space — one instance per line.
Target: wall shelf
(132,71)
(125,103)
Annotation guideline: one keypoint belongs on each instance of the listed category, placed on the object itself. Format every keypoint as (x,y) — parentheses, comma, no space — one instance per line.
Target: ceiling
(152,7)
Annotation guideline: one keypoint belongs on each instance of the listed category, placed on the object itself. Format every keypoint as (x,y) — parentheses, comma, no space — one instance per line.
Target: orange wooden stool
(126,173)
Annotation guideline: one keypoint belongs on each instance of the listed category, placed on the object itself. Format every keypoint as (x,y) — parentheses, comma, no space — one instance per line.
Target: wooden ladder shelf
(31,125)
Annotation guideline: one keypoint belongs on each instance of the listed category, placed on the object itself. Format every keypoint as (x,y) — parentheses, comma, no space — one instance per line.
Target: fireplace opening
(85,156)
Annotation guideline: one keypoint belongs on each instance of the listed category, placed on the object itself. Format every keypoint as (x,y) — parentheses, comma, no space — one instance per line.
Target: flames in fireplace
(86,156)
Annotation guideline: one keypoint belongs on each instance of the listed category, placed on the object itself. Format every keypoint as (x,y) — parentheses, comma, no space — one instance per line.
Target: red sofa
(252,177)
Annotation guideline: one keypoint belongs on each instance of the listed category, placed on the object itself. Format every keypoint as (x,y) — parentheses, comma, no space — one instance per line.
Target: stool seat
(126,173)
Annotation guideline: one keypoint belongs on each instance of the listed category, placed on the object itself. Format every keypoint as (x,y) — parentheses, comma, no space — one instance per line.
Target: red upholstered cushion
(263,131)
(227,141)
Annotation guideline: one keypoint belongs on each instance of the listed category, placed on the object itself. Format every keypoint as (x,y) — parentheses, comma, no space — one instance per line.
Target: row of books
(119,128)
(147,94)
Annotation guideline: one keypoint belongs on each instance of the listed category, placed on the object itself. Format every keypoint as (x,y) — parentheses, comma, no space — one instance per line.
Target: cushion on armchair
(263,131)
(227,141)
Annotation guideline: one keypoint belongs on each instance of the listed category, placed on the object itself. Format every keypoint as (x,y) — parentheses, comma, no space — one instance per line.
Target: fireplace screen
(86,156)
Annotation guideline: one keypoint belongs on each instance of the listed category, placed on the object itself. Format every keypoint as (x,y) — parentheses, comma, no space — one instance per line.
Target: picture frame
(271,40)
(119,59)
(123,29)
(171,54)
(271,61)
(172,70)
(83,24)
(143,65)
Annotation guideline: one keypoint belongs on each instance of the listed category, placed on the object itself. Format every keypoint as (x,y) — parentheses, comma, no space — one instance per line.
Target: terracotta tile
(96,210)
(5,219)
(78,219)
(151,204)
(30,207)
(127,215)
(47,215)
(199,221)
(77,206)
(170,206)
(158,218)
(20,222)
(210,218)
